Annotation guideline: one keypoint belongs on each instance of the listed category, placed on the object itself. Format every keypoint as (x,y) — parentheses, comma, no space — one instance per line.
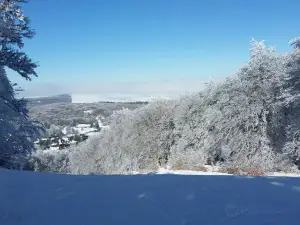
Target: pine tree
(17,132)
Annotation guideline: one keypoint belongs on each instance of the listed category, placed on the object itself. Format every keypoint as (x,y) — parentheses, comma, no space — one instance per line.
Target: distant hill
(37,101)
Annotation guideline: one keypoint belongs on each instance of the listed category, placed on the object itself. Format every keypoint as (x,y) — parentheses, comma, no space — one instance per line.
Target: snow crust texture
(28,198)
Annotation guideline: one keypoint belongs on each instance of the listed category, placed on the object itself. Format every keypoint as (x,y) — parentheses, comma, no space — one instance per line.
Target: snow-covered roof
(92,133)
(88,111)
(85,130)
(83,125)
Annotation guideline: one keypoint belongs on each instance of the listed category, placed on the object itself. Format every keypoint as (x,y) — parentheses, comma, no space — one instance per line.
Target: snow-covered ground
(188,172)
(46,199)
(282,174)
(214,171)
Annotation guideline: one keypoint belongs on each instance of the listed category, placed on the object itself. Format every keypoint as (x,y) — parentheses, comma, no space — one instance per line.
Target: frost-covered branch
(295,42)
(19,62)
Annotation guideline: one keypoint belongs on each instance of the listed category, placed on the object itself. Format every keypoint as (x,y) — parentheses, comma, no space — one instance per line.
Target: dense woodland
(250,121)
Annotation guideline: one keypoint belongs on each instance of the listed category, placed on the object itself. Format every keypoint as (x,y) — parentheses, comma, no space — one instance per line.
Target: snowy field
(29,198)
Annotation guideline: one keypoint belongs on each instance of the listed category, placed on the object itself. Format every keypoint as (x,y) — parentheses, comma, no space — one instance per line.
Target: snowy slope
(47,199)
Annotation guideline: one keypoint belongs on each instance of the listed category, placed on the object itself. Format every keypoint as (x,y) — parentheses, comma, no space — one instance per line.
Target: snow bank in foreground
(46,199)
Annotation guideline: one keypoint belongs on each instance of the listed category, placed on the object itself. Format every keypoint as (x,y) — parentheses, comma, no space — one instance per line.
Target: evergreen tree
(17,132)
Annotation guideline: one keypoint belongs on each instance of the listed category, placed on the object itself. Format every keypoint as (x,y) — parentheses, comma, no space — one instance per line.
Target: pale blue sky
(94,43)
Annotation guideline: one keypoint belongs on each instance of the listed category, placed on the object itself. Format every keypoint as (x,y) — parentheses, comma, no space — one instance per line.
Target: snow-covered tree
(50,161)
(291,102)
(295,42)
(17,132)
(83,158)
(54,131)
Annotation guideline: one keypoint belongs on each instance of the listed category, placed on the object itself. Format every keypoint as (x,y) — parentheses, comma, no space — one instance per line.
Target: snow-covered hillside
(36,198)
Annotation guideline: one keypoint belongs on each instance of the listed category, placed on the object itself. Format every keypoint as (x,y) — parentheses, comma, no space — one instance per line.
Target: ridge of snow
(188,172)
(283,174)
(214,171)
